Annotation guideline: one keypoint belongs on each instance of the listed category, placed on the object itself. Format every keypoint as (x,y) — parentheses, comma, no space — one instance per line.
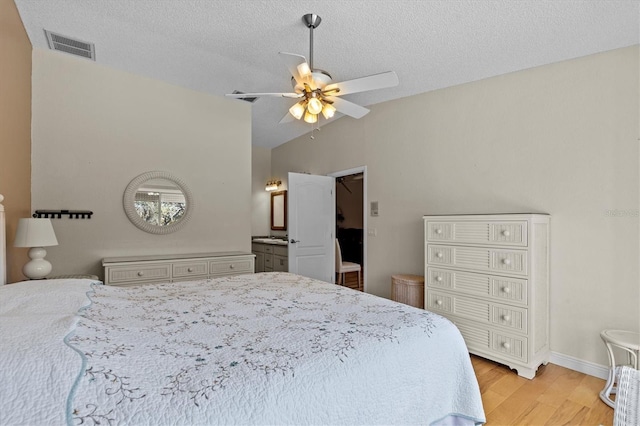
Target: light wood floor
(351,280)
(556,396)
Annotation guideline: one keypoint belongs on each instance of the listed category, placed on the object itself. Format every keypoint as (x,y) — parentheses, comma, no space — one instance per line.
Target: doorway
(351,220)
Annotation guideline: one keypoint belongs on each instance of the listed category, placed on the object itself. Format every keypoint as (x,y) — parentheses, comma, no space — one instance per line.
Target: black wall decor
(57,214)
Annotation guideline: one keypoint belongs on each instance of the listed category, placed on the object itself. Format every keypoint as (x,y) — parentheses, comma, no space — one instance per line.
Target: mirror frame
(284,210)
(128,201)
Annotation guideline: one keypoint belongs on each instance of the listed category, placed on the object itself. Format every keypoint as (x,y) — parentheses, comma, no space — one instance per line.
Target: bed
(267,348)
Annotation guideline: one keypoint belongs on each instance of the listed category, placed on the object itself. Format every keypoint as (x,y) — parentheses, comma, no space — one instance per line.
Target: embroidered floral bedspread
(272,348)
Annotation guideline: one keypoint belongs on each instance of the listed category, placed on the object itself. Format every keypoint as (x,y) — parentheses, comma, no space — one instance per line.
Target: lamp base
(37,268)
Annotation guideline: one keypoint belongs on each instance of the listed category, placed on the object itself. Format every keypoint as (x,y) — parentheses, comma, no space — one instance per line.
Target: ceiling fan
(341,181)
(314,90)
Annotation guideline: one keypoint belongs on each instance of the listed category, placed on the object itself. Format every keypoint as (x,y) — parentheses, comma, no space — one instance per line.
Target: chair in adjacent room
(343,267)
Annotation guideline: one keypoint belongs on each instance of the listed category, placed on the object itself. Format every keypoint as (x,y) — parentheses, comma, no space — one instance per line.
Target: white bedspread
(271,348)
(37,368)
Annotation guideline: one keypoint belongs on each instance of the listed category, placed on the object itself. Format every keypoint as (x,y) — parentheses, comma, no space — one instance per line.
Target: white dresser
(135,270)
(489,274)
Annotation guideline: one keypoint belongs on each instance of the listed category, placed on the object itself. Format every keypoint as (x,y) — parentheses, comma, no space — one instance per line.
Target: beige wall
(95,129)
(560,139)
(261,200)
(15,129)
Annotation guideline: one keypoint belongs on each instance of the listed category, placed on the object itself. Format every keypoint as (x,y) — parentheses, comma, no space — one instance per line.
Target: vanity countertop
(276,241)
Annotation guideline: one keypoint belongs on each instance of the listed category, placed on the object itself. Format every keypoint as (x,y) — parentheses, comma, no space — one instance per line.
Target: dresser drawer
(142,273)
(480,311)
(190,269)
(439,303)
(478,258)
(504,233)
(500,288)
(268,248)
(483,341)
(230,266)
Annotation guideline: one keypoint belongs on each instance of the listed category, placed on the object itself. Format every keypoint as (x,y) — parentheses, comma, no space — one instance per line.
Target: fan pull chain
(315,128)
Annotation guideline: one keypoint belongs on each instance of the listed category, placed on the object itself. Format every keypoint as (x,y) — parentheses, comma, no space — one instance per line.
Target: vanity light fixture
(272,185)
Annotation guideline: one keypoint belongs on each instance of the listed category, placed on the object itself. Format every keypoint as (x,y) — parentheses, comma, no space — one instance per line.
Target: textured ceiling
(220,46)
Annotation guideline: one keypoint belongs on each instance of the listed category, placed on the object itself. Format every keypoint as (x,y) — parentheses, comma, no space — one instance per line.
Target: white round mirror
(158,202)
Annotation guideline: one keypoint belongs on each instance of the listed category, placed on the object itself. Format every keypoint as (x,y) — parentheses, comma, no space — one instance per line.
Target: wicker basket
(408,289)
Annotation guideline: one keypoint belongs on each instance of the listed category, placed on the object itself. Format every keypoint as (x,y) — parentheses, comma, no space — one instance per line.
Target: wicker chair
(625,342)
(626,411)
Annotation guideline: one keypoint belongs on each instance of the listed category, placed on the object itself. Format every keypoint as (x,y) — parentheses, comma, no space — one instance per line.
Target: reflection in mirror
(158,202)
(279,211)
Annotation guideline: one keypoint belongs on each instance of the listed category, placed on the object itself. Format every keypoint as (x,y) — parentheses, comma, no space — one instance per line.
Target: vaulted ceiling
(218,46)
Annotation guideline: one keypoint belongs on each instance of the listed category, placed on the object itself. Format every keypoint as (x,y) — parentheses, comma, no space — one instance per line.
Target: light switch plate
(374,208)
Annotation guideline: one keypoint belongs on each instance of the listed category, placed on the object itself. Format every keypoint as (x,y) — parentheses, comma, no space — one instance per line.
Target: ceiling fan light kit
(310,117)
(298,109)
(328,111)
(313,87)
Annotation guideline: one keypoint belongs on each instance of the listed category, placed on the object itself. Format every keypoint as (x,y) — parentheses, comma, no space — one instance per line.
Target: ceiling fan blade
(292,61)
(348,108)
(372,82)
(288,118)
(256,95)
(345,186)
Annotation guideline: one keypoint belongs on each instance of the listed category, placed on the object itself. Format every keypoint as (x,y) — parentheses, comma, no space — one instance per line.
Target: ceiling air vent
(69,45)
(249,99)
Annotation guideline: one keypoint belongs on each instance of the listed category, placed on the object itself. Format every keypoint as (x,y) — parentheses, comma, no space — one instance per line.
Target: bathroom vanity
(271,254)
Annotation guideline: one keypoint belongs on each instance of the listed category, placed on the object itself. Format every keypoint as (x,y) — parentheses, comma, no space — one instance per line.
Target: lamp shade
(35,233)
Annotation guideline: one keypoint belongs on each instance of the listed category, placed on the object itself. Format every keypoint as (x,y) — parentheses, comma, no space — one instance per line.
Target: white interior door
(311,226)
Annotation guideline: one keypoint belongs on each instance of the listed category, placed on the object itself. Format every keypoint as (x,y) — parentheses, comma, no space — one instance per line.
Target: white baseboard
(582,366)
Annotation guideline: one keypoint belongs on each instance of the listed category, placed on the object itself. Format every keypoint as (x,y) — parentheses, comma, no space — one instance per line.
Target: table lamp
(35,233)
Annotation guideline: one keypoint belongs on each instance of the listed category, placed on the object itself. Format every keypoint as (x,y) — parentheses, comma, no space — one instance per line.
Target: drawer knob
(439,255)
(231,266)
(439,302)
(506,261)
(438,231)
(439,278)
(506,290)
(506,233)
(506,318)
(189,269)
(140,273)
(506,345)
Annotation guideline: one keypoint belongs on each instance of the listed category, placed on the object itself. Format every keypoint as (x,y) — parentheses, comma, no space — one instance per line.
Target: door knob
(292,241)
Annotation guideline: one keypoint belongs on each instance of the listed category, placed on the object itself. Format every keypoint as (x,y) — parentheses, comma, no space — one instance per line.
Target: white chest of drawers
(135,270)
(489,274)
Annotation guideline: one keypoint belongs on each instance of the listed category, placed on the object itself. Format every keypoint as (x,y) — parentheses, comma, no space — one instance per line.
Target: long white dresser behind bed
(489,274)
(135,270)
